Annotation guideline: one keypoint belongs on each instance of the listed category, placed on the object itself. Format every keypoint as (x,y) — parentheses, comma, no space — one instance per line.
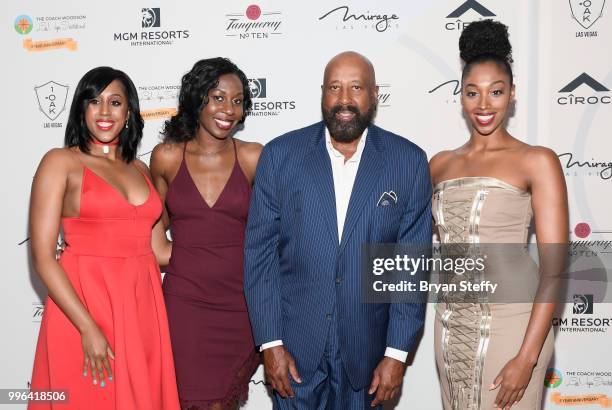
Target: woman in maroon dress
(205,177)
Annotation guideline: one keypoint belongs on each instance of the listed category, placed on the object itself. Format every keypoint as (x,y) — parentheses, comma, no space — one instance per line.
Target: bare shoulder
(439,162)
(167,152)
(249,151)
(166,157)
(142,166)
(57,160)
(249,148)
(541,163)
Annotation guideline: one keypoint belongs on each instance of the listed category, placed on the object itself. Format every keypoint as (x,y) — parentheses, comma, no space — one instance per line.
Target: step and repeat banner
(563,75)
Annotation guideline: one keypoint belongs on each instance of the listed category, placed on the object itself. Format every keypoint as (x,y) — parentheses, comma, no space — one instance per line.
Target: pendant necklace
(106,145)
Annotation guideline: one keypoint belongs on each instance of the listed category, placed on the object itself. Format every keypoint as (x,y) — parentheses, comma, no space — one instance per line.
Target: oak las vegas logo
(582,90)
(468,11)
(586,13)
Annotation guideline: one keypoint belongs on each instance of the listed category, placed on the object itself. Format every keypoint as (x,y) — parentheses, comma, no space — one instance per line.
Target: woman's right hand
(96,352)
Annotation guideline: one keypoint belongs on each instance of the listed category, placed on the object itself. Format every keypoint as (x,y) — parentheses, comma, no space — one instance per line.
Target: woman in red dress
(104,336)
(205,177)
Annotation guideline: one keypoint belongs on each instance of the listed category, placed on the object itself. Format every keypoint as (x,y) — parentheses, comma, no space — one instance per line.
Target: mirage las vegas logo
(591,92)
(459,22)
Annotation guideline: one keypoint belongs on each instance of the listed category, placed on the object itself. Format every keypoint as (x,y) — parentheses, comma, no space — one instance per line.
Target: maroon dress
(213,346)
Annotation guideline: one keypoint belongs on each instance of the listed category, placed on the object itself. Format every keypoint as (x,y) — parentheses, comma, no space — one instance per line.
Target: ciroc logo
(588,81)
(468,5)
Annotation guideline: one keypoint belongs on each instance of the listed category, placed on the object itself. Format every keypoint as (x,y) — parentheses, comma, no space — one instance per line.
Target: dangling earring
(126,125)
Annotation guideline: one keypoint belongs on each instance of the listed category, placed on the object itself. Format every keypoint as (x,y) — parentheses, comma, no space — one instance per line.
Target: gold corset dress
(474,339)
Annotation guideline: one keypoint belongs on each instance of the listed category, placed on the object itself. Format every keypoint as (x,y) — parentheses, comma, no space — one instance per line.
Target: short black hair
(90,86)
(484,41)
(193,96)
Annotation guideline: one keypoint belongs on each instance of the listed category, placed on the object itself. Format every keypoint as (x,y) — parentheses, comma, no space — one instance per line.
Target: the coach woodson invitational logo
(254,23)
(586,13)
(345,18)
(263,105)
(449,90)
(553,378)
(23,24)
(467,12)
(152,34)
(51,97)
(36,25)
(572,384)
(591,92)
(158,101)
(585,167)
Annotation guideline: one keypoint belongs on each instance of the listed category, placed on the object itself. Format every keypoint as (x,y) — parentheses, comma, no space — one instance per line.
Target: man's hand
(278,364)
(387,380)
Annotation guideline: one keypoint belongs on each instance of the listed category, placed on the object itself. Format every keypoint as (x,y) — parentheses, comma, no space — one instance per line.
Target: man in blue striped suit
(321,193)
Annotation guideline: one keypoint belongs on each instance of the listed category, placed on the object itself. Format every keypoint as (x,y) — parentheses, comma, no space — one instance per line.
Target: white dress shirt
(344,174)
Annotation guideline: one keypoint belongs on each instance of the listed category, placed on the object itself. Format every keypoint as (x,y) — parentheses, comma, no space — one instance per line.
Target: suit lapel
(370,169)
(318,169)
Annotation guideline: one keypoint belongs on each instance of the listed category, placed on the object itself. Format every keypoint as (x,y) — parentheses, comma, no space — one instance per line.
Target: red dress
(110,263)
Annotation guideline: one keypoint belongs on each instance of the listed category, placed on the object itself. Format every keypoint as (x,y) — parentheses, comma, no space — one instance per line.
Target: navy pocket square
(387,198)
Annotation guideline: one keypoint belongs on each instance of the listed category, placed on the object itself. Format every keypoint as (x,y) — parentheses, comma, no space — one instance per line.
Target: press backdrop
(563,75)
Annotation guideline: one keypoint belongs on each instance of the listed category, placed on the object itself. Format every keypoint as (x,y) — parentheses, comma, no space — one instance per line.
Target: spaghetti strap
(184,149)
(235,152)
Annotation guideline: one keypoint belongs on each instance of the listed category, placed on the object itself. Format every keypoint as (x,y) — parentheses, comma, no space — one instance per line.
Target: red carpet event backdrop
(563,76)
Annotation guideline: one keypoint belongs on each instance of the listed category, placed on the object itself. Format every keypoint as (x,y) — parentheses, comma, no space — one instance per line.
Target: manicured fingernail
(110,378)
(85,373)
(95,381)
(491,387)
(102,384)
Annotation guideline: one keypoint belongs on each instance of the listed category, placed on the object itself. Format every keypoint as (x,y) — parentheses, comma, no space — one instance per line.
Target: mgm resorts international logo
(473,8)
(51,97)
(150,21)
(578,323)
(263,106)
(348,20)
(449,89)
(253,23)
(597,92)
(38,308)
(586,13)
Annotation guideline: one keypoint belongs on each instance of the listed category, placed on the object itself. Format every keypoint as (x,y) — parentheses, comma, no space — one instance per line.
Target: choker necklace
(106,145)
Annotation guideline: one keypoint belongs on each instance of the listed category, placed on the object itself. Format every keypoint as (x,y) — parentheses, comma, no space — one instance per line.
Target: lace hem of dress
(237,394)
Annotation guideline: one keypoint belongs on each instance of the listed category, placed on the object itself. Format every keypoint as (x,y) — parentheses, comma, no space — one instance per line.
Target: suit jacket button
(339,279)
(328,316)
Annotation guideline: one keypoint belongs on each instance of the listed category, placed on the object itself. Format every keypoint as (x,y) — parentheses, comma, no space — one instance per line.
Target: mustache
(337,108)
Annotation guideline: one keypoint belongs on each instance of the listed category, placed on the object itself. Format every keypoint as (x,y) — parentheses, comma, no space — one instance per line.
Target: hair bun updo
(485,38)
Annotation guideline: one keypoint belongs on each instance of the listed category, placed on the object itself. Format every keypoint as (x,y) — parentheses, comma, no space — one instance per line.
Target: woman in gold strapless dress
(494,355)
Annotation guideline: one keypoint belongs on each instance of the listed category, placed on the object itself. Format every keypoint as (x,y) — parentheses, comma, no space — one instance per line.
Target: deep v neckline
(117,191)
(227,182)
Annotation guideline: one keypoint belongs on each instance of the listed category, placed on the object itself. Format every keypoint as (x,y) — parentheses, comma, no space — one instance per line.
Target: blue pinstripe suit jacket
(297,273)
